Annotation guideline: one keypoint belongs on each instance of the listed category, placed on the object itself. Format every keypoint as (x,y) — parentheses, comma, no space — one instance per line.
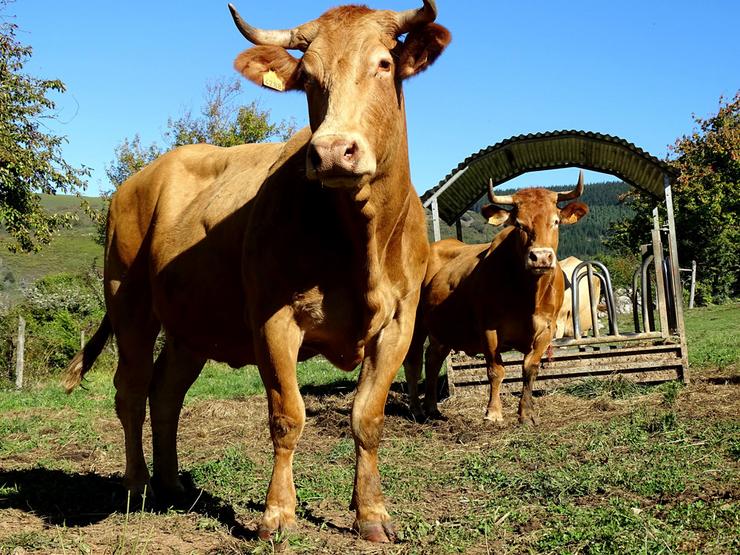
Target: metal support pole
(437,234)
(693,284)
(592,302)
(659,283)
(678,296)
(458,229)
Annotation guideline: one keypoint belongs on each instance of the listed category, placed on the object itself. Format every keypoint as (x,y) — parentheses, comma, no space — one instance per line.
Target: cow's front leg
(530,369)
(383,357)
(495,369)
(277,352)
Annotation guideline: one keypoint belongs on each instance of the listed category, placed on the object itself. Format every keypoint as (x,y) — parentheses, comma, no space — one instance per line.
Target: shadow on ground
(70,499)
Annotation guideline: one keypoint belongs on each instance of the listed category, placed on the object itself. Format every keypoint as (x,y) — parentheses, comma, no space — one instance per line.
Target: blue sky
(635,69)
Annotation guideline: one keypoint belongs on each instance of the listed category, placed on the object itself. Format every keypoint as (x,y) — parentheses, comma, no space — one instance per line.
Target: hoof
(378,532)
(436,415)
(528,421)
(417,414)
(165,496)
(496,418)
(264,533)
(267,532)
(137,496)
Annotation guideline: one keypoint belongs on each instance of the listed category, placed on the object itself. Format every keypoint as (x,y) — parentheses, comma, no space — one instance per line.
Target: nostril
(533,256)
(350,151)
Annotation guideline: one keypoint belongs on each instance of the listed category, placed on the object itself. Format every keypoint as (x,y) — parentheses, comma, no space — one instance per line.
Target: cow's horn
(296,39)
(409,19)
(495,199)
(575,193)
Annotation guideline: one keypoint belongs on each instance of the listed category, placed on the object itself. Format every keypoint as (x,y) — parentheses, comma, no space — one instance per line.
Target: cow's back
(175,236)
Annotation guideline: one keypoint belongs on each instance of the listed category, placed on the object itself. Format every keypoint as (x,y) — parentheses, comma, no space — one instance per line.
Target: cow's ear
(271,67)
(572,212)
(421,47)
(495,215)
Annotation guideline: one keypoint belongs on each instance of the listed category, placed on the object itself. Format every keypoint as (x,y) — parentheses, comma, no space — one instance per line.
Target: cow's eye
(556,223)
(385,65)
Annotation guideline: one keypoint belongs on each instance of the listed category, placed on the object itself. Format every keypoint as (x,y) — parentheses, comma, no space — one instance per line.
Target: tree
(221,122)
(706,200)
(224,123)
(31,160)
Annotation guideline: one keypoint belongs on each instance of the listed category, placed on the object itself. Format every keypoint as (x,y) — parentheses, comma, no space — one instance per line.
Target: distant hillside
(583,239)
(72,250)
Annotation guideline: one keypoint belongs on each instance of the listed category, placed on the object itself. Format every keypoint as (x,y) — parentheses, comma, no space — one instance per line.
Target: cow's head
(351,71)
(536,216)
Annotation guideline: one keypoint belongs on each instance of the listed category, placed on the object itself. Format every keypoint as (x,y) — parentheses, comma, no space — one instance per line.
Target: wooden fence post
(19,352)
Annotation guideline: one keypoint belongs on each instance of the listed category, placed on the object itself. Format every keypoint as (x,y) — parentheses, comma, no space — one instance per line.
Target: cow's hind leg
(436,353)
(412,366)
(132,379)
(175,371)
(277,353)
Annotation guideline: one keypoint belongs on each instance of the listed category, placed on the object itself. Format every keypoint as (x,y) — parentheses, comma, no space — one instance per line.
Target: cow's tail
(84,359)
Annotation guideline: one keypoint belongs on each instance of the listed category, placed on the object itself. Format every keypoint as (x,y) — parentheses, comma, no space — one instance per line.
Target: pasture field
(611,468)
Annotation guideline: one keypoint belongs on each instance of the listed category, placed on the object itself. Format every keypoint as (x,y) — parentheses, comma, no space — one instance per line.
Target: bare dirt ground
(68,499)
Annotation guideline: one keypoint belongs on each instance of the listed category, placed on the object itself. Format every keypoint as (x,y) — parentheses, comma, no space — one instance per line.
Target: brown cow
(491,298)
(564,327)
(274,253)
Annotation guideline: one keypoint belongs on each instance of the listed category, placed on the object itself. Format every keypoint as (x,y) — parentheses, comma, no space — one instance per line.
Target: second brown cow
(490,298)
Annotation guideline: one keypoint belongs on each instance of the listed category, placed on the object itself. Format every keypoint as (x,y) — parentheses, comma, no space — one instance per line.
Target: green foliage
(706,200)
(31,161)
(130,157)
(621,267)
(221,122)
(57,309)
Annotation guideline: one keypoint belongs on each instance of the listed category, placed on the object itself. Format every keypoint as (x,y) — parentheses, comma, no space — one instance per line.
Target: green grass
(600,485)
(218,381)
(712,334)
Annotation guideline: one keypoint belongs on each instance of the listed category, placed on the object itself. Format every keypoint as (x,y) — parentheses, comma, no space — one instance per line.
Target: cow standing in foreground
(491,298)
(274,253)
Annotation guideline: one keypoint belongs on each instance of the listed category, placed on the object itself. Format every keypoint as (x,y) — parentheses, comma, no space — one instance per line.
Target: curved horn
(504,200)
(295,39)
(408,19)
(575,193)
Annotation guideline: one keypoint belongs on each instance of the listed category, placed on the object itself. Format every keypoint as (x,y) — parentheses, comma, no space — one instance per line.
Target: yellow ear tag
(272,81)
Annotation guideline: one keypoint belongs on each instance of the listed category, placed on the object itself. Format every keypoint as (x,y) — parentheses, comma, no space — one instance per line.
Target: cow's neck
(503,253)
(374,217)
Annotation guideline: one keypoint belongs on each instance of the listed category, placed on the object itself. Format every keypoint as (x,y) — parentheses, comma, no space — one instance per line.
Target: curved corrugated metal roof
(546,151)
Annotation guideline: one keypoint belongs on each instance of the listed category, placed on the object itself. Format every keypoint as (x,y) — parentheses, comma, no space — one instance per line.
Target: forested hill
(583,239)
